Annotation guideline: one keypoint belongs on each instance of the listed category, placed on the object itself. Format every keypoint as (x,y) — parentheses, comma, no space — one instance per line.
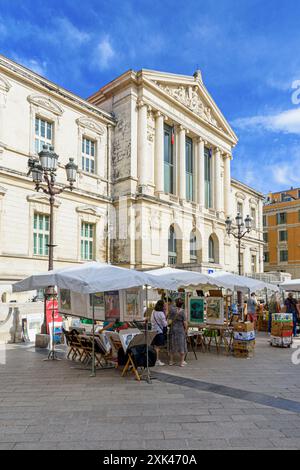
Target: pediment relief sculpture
(88,123)
(47,103)
(189,97)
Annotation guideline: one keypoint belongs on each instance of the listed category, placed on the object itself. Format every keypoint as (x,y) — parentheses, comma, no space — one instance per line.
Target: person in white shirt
(159,324)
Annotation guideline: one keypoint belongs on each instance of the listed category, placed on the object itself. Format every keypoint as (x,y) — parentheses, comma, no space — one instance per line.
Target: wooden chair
(130,367)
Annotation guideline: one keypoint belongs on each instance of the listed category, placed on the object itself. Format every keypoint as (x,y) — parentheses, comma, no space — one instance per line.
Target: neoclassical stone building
(154,185)
(171,162)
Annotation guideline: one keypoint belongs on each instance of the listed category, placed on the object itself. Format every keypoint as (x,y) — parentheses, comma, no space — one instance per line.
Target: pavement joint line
(223,390)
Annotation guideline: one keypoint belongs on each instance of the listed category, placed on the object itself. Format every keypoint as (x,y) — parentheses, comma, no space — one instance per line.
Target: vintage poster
(52,312)
(132,304)
(112,305)
(196,311)
(215,310)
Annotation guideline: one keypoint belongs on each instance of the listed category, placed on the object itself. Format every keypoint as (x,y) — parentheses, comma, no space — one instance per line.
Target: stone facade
(23,97)
(143,103)
(124,199)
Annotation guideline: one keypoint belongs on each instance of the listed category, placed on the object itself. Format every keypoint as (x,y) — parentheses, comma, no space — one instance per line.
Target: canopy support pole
(148,375)
(93,374)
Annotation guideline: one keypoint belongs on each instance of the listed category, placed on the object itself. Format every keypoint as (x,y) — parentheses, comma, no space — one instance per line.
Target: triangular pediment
(37,198)
(191,93)
(91,210)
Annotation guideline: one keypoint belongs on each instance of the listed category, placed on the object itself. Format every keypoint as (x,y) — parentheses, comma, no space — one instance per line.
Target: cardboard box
(244,345)
(281,342)
(245,327)
(242,354)
(244,336)
(283,325)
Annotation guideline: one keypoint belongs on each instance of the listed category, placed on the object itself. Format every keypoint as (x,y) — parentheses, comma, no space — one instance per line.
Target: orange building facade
(281,223)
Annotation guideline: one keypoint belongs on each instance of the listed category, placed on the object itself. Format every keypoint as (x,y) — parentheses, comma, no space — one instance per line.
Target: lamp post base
(52,357)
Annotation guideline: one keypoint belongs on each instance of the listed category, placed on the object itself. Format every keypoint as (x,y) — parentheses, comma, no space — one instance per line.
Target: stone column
(182,165)
(217,181)
(159,153)
(142,144)
(227,186)
(201,173)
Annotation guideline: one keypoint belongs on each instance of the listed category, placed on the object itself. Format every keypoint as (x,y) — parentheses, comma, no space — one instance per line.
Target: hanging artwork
(132,304)
(99,305)
(215,310)
(65,300)
(196,311)
(112,305)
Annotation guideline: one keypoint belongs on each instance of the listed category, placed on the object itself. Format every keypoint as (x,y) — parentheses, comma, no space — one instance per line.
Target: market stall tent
(91,278)
(184,279)
(293,286)
(242,283)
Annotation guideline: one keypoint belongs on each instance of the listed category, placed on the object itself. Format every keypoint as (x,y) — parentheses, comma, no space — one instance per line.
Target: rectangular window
(264,220)
(266,237)
(283,235)
(240,208)
(208,177)
(87,241)
(284,256)
(169,166)
(41,234)
(253,217)
(88,155)
(43,133)
(189,161)
(267,257)
(281,218)
(253,264)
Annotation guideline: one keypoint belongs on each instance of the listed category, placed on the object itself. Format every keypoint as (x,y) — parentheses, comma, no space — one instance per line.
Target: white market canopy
(92,277)
(184,279)
(242,283)
(293,286)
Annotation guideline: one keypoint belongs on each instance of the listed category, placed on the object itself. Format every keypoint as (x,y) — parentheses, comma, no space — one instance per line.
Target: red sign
(52,309)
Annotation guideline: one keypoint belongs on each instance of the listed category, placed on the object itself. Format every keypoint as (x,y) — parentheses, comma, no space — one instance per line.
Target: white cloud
(67,31)
(104,53)
(287,122)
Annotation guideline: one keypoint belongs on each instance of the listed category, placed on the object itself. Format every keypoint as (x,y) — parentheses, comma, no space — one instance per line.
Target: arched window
(172,246)
(211,250)
(193,248)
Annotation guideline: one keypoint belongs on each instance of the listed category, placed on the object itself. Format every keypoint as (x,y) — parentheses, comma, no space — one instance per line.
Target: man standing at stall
(291,307)
(252,309)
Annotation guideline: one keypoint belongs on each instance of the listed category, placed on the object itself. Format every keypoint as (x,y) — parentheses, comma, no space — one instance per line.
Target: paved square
(45,405)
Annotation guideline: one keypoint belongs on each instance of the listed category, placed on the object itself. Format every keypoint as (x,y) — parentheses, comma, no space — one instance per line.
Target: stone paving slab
(55,406)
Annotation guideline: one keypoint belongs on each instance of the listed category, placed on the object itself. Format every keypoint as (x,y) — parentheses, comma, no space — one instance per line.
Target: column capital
(141,103)
(158,114)
(181,128)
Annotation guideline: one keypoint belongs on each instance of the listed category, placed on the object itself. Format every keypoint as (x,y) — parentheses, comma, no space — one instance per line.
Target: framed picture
(98,304)
(112,305)
(132,304)
(215,310)
(196,311)
(64,299)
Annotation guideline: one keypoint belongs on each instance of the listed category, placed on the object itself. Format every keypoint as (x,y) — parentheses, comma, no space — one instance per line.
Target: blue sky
(248,51)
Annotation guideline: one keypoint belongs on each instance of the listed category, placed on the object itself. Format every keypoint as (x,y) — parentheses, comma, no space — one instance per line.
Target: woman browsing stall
(178,331)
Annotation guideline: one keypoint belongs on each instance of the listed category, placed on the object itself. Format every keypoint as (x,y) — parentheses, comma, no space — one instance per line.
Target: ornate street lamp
(43,172)
(241,230)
